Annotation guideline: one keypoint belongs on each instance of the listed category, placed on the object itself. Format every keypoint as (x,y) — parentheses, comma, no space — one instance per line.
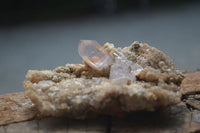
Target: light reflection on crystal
(94,55)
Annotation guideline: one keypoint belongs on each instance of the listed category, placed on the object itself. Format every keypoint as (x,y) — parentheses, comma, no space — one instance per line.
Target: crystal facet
(94,54)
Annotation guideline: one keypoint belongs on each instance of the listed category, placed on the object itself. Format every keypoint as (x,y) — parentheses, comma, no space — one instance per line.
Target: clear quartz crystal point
(94,54)
(123,68)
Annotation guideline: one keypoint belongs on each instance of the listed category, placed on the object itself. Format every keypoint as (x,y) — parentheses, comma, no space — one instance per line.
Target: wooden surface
(191,84)
(16,107)
(17,114)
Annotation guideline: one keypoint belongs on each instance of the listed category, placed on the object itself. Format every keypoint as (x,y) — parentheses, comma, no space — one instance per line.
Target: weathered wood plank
(98,125)
(53,125)
(2,129)
(16,107)
(191,83)
(22,127)
(173,119)
(193,103)
(57,125)
(195,122)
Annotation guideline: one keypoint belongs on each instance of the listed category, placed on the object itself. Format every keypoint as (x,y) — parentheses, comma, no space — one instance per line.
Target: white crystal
(45,83)
(136,68)
(123,68)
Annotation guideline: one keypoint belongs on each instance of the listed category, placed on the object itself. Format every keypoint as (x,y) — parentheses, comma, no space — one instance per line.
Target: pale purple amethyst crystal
(94,54)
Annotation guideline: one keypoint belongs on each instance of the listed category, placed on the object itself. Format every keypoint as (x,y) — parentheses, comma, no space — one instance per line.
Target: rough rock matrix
(79,91)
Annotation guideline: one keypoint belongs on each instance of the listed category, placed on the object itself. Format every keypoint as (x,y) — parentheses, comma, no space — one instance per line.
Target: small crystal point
(94,54)
(121,70)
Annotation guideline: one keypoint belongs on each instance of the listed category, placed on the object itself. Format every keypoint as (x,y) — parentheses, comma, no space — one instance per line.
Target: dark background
(43,34)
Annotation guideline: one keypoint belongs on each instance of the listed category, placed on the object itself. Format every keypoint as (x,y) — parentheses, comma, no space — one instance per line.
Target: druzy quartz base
(145,79)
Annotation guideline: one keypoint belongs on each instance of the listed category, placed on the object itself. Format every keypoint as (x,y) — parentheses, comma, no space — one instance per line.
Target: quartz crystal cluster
(112,81)
(98,58)
(123,68)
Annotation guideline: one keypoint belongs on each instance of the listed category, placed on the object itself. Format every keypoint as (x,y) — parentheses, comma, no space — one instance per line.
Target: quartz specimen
(98,58)
(94,55)
(138,77)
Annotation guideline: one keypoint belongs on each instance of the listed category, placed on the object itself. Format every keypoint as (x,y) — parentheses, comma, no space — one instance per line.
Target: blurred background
(43,34)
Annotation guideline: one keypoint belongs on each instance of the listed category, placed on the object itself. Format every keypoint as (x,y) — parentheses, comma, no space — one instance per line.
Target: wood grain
(191,83)
(173,119)
(16,107)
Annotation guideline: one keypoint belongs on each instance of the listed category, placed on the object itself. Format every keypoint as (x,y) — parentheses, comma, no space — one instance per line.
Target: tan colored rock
(78,91)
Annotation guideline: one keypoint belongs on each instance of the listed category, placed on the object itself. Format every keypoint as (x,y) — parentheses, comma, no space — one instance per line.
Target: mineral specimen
(98,58)
(111,81)
(94,55)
